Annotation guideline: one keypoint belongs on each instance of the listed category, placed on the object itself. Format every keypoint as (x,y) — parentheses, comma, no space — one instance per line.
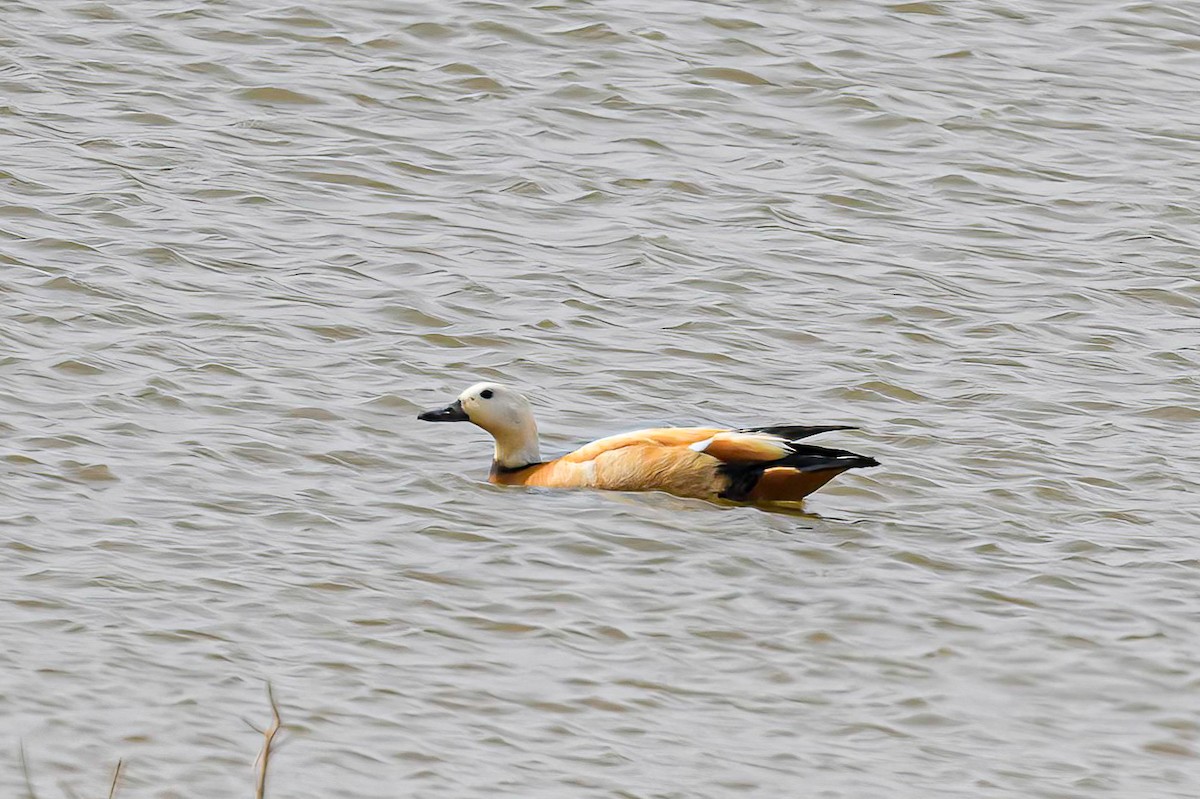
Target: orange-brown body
(661,459)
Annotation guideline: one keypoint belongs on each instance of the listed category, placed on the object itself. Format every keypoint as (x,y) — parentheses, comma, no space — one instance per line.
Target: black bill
(451,413)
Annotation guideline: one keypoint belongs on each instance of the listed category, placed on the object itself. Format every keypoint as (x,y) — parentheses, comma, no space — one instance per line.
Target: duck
(752,465)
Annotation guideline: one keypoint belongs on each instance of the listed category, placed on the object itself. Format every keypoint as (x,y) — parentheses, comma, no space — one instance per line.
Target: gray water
(243,244)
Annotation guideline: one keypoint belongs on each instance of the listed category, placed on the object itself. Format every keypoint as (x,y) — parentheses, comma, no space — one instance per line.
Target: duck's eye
(486,393)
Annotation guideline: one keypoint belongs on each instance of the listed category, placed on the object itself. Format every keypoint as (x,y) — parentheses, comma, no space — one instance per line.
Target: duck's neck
(517,446)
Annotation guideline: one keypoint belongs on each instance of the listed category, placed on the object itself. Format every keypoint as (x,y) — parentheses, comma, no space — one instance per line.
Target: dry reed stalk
(32,794)
(112,789)
(260,789)
(29,791)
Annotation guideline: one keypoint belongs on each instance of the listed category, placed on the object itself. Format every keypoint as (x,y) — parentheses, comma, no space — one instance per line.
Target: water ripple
(242,245)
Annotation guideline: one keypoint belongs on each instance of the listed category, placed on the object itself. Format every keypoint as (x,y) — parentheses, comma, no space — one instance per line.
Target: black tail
(803,458)
(807,458)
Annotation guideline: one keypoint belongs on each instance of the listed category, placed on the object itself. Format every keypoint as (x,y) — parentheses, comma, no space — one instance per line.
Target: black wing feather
(795,432)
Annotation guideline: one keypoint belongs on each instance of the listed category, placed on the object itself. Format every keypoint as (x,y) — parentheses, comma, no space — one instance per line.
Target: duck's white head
(504,413)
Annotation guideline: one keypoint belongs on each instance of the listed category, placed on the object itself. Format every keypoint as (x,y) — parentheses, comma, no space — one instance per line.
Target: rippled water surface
(243,243)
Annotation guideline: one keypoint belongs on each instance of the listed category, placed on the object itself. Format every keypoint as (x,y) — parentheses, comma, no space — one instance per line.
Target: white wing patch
(700,446)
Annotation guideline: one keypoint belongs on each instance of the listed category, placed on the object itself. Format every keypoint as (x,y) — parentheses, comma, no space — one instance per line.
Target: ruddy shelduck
(751,465)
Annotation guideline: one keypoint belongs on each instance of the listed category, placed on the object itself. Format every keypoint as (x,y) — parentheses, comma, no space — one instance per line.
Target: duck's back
(665,437)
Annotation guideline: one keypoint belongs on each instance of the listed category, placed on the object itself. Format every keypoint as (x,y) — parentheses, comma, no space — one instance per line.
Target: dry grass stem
(260,789)
(29,791)
(264,758)
(112,789)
